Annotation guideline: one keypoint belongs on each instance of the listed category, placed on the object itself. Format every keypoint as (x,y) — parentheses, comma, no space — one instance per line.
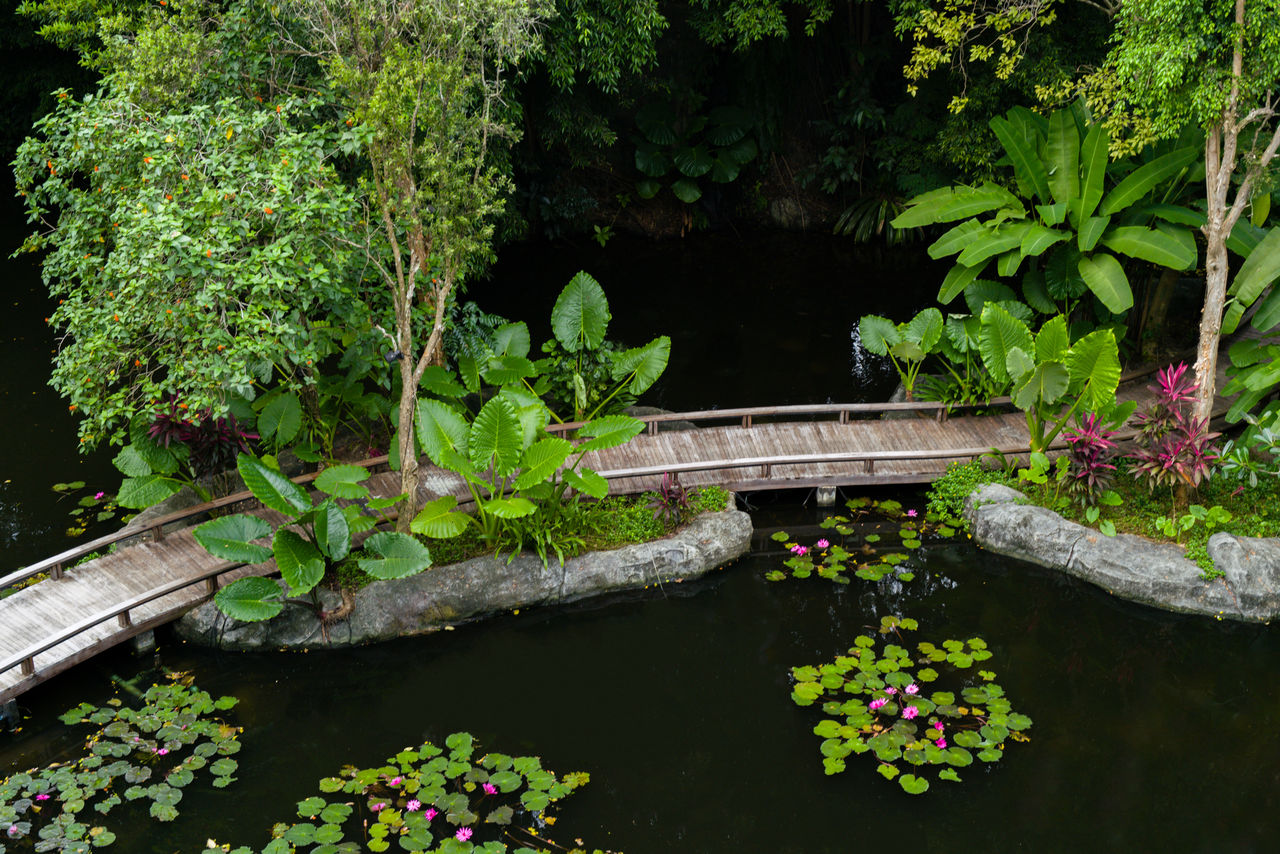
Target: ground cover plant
(149,754)
(427,798)
(921,715)
(869,538)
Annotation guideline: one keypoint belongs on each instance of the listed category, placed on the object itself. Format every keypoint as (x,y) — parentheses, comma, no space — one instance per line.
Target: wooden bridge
(157,573)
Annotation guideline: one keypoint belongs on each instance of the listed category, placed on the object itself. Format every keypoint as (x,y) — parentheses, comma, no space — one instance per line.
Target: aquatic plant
(859,550)
(429,799)
(882,700)
(151,753)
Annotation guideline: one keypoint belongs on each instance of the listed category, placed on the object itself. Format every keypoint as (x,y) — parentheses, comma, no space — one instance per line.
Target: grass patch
(611,523)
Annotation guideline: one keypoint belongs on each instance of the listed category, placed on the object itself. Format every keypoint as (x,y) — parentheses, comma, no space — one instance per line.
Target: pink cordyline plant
(1091,452)
(1173,448)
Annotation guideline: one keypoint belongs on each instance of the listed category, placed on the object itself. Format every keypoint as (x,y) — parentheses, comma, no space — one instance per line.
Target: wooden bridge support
(826,496)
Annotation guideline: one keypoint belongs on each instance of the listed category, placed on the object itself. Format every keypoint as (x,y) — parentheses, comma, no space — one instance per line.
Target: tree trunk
(1215,298)
(405,443)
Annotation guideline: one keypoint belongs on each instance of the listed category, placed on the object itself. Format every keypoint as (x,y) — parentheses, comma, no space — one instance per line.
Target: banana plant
(1051,378)
(1074,215)
(906,345)
(313,538)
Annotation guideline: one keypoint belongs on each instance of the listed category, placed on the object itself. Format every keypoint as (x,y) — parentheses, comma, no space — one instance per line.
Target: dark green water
(1153,732)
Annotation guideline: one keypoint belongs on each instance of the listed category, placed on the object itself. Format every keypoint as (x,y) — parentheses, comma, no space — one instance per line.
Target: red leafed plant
(1091,451)
(1173,448)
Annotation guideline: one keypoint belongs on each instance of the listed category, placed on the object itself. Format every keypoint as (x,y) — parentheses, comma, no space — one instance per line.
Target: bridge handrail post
(55,571)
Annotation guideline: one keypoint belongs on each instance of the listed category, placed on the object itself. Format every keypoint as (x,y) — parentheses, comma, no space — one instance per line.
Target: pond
(1152,731)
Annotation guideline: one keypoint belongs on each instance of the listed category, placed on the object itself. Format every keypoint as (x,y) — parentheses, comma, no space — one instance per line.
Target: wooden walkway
(50,626)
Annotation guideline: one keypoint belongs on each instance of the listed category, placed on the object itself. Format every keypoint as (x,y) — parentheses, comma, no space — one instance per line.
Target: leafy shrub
(1091,471)
(1173,447)
(947,494)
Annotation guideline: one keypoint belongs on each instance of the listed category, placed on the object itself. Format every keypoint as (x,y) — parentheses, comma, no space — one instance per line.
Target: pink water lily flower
(430,813)
(799,550)
(913,688)
(891,690)
(937,725)
(822,544)
(877,703)
(911,513)
(910,712)
(378,807)
(42,797)
(463,834)
(942,742)
(395,781)
(413,805)
(490,789)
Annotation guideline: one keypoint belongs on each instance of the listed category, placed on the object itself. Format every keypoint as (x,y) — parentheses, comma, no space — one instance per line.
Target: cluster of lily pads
(431,800)
(867,549)
(147,754)
(920,715)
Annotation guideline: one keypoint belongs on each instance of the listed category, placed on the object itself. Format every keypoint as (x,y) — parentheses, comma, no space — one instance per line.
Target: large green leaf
(1062,277)
(693,161)
(511,339)
(949,204)
(608,432)
(1062,153)
(343,481)
(984,291)
(644,364)
(1142,180)
(1001,332)
(301,564)
(686,190)
(1154,245)
(878,334)
(541,461)
(1105,277)
(956,280)
(230,538)
(995,241)
(1038,238)
(1267,317)
(1093,163)
(656,121)
(1091,231)
(271,487)
(924,329)
(161,459)
(1028,168)
(131,463)
(1045,384)
(530,409)
(399,556)
(281,419)
(250,600)
(956,239)
(441,428)
(441,381)
(1258,271)
(138,493)
(580,317)
(652,160)
(333,534)
(508,370)
(436,519)
(1094,365)
(1053,340)
(587,481)
(496,438)
(1035,294)
(1245,237)
(510,508)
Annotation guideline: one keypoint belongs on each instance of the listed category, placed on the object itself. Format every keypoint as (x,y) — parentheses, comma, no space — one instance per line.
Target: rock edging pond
(448,595)
(1002,520)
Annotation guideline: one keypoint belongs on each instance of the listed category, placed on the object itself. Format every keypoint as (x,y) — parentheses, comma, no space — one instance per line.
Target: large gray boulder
(1158,574)
(447,595)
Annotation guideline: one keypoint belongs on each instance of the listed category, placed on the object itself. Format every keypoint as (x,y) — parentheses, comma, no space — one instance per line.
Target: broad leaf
(1105,277)
(271,487)
(541,461)
(469,371)
(281,419)
(508,370)
(1093,164)
(580,317)
(496,438)
(956,239)
(1028,168)
(1062,277)
(1053,340)
(437,519)
(1094,366)
(693,161)
(441,428)
(510,508)
(1062,153)
(161,459)
(131,463)
(333,534)
(1001,332)
(1046,384)
(587,481)
(301,565)
(343,481)
(997,240)
(608,432)
(532,412)
(686,190)
(878,334)
(511,339)
(250,600)
(1035,294)
(984,291)
(1153,245)
(924,329)
(645,363)
(1038,238)
(956,280)
(138,493)
(949,204)
(441,381)
(230,538)
(399,556)
(1091,231)
(1258,271)
(1142,180)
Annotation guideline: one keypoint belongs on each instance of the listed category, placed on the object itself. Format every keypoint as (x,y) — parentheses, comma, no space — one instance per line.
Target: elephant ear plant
(312,539)
(905,344)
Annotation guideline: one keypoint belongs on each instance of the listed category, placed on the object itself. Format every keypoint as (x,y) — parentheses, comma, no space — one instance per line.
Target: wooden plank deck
(117,584)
